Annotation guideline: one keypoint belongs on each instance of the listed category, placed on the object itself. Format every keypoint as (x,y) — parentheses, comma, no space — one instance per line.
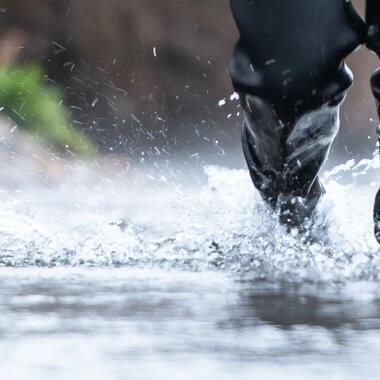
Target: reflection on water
(149,324)
(107,281)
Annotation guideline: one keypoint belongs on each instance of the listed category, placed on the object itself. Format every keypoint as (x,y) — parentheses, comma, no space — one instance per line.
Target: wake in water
(223,226)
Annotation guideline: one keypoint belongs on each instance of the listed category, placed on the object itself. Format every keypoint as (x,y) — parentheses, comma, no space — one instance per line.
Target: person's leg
(284,158)
(373,21)
(291,78)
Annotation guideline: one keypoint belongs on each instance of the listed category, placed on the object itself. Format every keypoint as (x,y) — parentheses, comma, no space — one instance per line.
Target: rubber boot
(288,67)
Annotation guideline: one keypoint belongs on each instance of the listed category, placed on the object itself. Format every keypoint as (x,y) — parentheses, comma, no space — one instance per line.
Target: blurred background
(144,79)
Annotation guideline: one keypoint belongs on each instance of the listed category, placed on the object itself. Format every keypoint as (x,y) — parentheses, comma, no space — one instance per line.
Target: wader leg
(284,159)
(288,69)
(373,22)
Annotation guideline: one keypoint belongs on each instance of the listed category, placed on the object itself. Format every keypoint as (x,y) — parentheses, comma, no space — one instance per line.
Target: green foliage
(37,108)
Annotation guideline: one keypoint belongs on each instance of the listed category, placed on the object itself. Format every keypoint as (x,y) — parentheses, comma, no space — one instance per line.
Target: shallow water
(149,324)
(107,281)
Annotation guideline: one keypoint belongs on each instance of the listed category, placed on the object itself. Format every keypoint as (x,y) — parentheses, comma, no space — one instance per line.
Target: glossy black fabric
(291,52)
(373,22)
(284,160)
(288,67)
(373,43)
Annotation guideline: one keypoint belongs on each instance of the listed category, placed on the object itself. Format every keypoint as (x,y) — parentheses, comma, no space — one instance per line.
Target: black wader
(288,67)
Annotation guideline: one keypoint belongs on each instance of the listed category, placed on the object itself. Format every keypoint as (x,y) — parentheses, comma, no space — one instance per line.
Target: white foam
(224,226)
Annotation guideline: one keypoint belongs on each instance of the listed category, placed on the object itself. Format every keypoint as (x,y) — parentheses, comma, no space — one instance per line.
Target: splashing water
(148,279)
(223,226)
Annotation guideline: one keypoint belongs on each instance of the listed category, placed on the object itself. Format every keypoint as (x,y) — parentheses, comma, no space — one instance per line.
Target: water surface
(109,279)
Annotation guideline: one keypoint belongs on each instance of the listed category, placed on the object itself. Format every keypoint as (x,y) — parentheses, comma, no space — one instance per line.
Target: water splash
(223,226)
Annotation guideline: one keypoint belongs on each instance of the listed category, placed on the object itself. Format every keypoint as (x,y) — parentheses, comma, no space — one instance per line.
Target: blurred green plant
(37,108)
